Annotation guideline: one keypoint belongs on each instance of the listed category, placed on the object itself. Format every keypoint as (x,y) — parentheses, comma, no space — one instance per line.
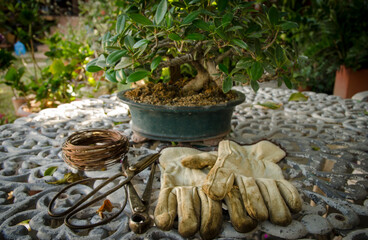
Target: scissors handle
(143,164)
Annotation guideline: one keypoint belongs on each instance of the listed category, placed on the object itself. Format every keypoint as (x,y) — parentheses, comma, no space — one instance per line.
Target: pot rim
(240,98)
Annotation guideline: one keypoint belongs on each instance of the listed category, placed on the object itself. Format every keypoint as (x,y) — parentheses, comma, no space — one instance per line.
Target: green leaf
(92,67)
(273,15)
(139,18)
(139,75)
(234,28)
(221,33)
(287,82)
(254,84)
(101,61)
(227,84)
(174,36)
(120,76)
(140,43)
(289,25)
(199,23)
(120,23)
(223,68)
(195,36)
(270,105)
(280,55)
(68,178)
(11,74)
(256,71)
(226,20)
(240,78)
(115,56)
(221,5)
(111,75)
(57,67)
(124,62)
(240,43)
(179,4)
(155,63)
(298,96)
(50,171)
(129,42)
(190,17)
(161,11)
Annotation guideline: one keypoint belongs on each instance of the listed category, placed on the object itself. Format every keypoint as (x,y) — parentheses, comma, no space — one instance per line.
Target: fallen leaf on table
(270,105)
(50,171)
(68,178)
(106,206)
(298,96)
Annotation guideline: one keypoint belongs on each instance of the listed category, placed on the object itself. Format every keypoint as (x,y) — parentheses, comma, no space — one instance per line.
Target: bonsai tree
(214,42)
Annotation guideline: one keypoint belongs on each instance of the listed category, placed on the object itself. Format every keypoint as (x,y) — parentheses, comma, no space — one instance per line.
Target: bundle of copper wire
(95,149)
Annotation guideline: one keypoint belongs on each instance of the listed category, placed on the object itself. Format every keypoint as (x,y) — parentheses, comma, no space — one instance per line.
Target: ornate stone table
(326,139)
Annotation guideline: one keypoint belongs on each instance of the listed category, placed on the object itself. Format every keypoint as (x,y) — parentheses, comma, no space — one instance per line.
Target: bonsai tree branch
(202,78)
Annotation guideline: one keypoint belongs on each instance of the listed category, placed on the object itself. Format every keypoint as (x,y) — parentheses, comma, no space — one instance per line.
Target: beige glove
(252,172)
(182,196)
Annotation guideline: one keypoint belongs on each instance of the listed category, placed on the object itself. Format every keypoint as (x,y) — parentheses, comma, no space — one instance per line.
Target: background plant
(331,34)
(224,41)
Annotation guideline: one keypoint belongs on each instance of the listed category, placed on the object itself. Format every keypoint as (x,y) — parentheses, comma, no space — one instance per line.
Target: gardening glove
(181,195)
(252,170)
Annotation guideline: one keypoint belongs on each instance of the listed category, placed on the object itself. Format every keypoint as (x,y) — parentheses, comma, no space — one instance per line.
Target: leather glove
(252,172)
(181,195)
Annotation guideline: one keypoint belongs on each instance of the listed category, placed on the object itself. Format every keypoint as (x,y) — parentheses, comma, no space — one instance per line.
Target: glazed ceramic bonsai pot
(181,123)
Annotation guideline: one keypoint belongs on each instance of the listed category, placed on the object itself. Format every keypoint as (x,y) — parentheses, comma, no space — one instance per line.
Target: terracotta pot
(349,82)
(17,102)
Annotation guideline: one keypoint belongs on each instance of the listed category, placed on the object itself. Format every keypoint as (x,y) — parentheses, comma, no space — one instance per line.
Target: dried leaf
(10,195)
(106,206)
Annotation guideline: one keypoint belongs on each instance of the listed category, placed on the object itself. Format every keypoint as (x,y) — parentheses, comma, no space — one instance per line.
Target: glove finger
(252,198)
(211,216)
(218,183)
(290,195)
(188,210)
(199,161)
(277,209)
(238,215)
(165,211)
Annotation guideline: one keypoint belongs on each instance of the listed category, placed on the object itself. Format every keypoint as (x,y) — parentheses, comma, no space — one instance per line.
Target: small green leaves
(273,15)
(175,37)
(240,43)
(92,67)
(256,71)
(140,43)
(139,75)
(161,11)
(111,75)
(227,84)
(50,171)
(195,36)
(280,55)
(139,18)
(270,105)
(129,42)
(120,23)
(115,56)
(57,67)
(221,5)
(223,68)
(254,84)
(298,96)
(199,23)
(289,25)
(190,18)
(155,62)
(124,62)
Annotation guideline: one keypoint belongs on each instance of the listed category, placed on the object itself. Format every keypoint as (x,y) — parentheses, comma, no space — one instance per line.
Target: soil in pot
(173,95)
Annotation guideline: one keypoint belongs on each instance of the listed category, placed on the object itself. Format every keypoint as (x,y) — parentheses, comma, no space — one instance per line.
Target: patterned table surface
(326,140)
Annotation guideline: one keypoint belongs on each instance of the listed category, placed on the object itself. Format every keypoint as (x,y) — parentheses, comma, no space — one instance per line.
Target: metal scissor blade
(148,191)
